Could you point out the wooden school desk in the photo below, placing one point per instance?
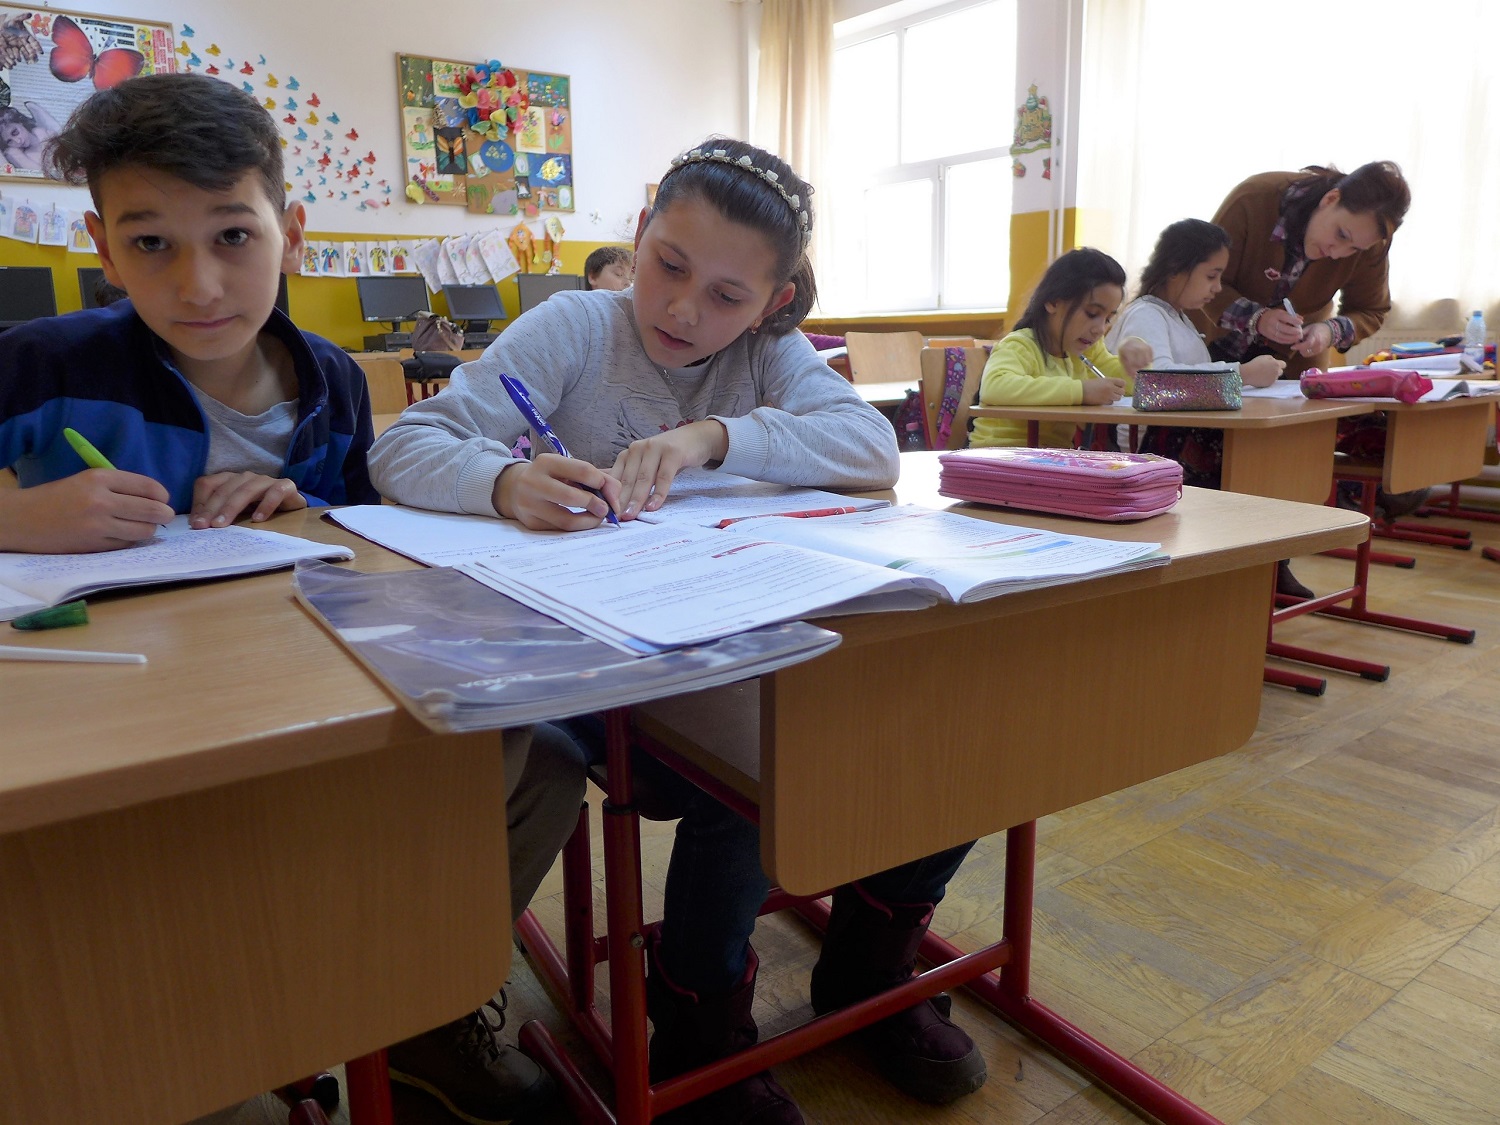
(231, 867)
(1277, 447)
(927, 729)
(883, 396)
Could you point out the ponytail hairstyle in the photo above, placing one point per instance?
(752, 187)
(1181, 248)
(1070, 279)
(1377, 189)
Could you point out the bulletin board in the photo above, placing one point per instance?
(521, 167)
(52, 61)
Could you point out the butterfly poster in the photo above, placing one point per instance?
(51, 61)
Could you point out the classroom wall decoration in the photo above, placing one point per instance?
(52, 60)
(1033, 124)
(495, 140)
(326, 159)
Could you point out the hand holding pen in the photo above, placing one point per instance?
(1101, 390)
(1280, 324)
(540, 493)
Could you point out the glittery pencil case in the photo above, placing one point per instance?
(1190, 388)
(1405, 386)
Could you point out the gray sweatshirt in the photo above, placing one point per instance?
(791, 419)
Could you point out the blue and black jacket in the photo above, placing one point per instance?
(108, 376)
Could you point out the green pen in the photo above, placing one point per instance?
(85, 449)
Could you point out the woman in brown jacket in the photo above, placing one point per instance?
(1305, 237)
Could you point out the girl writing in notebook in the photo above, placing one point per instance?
(1056, 356)
(699, 364)
(1185, 272)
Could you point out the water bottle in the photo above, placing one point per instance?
(1474, 340)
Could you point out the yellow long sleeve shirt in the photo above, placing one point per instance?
(1019, 373)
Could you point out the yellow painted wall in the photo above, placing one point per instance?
(1029, 242)
(328, 306)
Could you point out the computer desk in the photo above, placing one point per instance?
(234, 866)
(924, 730)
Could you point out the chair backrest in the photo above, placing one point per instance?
(951, 342)
(386, 380)
(946, 401)
(884, 357)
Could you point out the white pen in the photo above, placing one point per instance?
(69, 655)
(1286, 303)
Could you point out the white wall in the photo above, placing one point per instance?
(649, 78)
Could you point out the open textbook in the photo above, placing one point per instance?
(462, 656)
(645, 587)
(175, 554)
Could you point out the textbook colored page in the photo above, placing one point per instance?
(175, 554)
(462, 656)
(1459, 388)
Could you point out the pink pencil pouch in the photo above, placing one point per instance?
(1405, 386)
(1085, 483)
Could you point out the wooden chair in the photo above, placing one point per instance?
(933, 363)
(884, 357)
(386, 380)
(951, 342)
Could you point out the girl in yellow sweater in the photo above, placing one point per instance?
(1042, 361)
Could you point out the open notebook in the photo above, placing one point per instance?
(645, 587)
(177, 554)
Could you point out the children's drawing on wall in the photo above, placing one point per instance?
(54, 228)
(531, 131)
(25, 221)
(51, 61)
(379, 258)
(354, 259)
(79, 239)
(1033, 125)
(451, 158)
(310, 258)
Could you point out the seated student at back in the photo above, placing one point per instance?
(1041, 363)
(205, 399)
(609, 267)
(210, 402)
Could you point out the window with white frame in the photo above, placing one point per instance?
(918, 197)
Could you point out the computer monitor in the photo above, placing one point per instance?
(89, 279)
(475, 305)
(537, 287)
(394, 299)
(26, 293)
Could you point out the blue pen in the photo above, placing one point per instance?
(517, 391)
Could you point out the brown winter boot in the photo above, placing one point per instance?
(692, 1031)
(870, 947)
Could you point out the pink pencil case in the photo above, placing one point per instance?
(1085, 483)
(1406, 386)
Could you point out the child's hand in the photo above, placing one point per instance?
(219, 499)
(1102, 392)
(539, 493)
(647, 467)
(1262, 371)
(1316, 339)
(95, 510)
(1134, 354)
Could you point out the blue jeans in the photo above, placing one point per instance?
(715, 885)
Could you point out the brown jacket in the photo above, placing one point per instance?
(1249, 213)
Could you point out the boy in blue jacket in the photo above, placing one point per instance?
(205, 399)
(208, 401)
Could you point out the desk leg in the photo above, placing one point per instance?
(1010, 996)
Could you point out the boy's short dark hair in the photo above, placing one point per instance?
(601, 259)
(191, 126)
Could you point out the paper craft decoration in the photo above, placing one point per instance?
(1033, 124)
(52, 60)
(521, 245)
(54, 228)
(23, 222)
(79, 239)
(498, 112)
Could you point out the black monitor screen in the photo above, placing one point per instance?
(89, 278)
(25, 294)
(474, 302)
(537, 287)
(392, 298)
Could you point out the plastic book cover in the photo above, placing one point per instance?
(462, 656)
